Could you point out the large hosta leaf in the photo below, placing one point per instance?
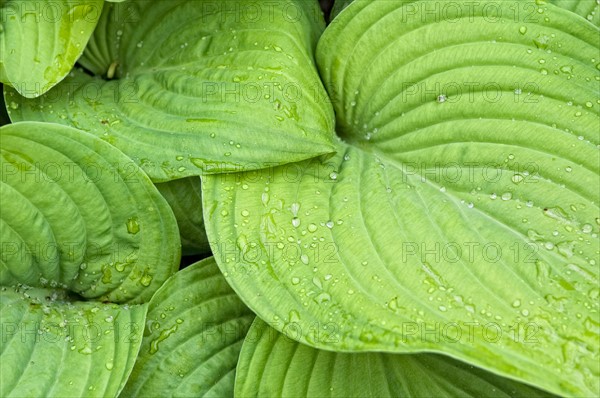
(40, 41)
(194, 332)
(78, 214)
(273, 365)
(461, 213)
(185, 198)
(54, 346)
(198, 86)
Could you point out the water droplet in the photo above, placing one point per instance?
(161, 337)
(109, 365)
(294, 316)
(312, 227)
(132, 225)
(568, 69)
(265, 198)
(295, 280)
(329, 224)
(296, 222)
(592, 326)
(366, 336)
(507, 196)
(565, 249)
(441, 98)
(304, 259)
(323, 298)
(146, 279)
(523, 30)
(294, 208)
(517, 178)
(333, 175)
(245, 213)
(541, 42)
(516, 303)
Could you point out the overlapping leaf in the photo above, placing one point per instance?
(185, 198)
(194, 333)
(338, 6)
(459, 215)
(53, 345)
(589, 10)
(79, 215)
(273, 365)
(40, 41)
(198, 86)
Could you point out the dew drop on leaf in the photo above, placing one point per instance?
(132, 226)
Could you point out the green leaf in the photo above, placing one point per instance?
(273, 365)
(470, 213)
(40, 41)
(193, 87)
(185, 198)
(78, 214)
(54, 346)
(194, 332)
(589, 10)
